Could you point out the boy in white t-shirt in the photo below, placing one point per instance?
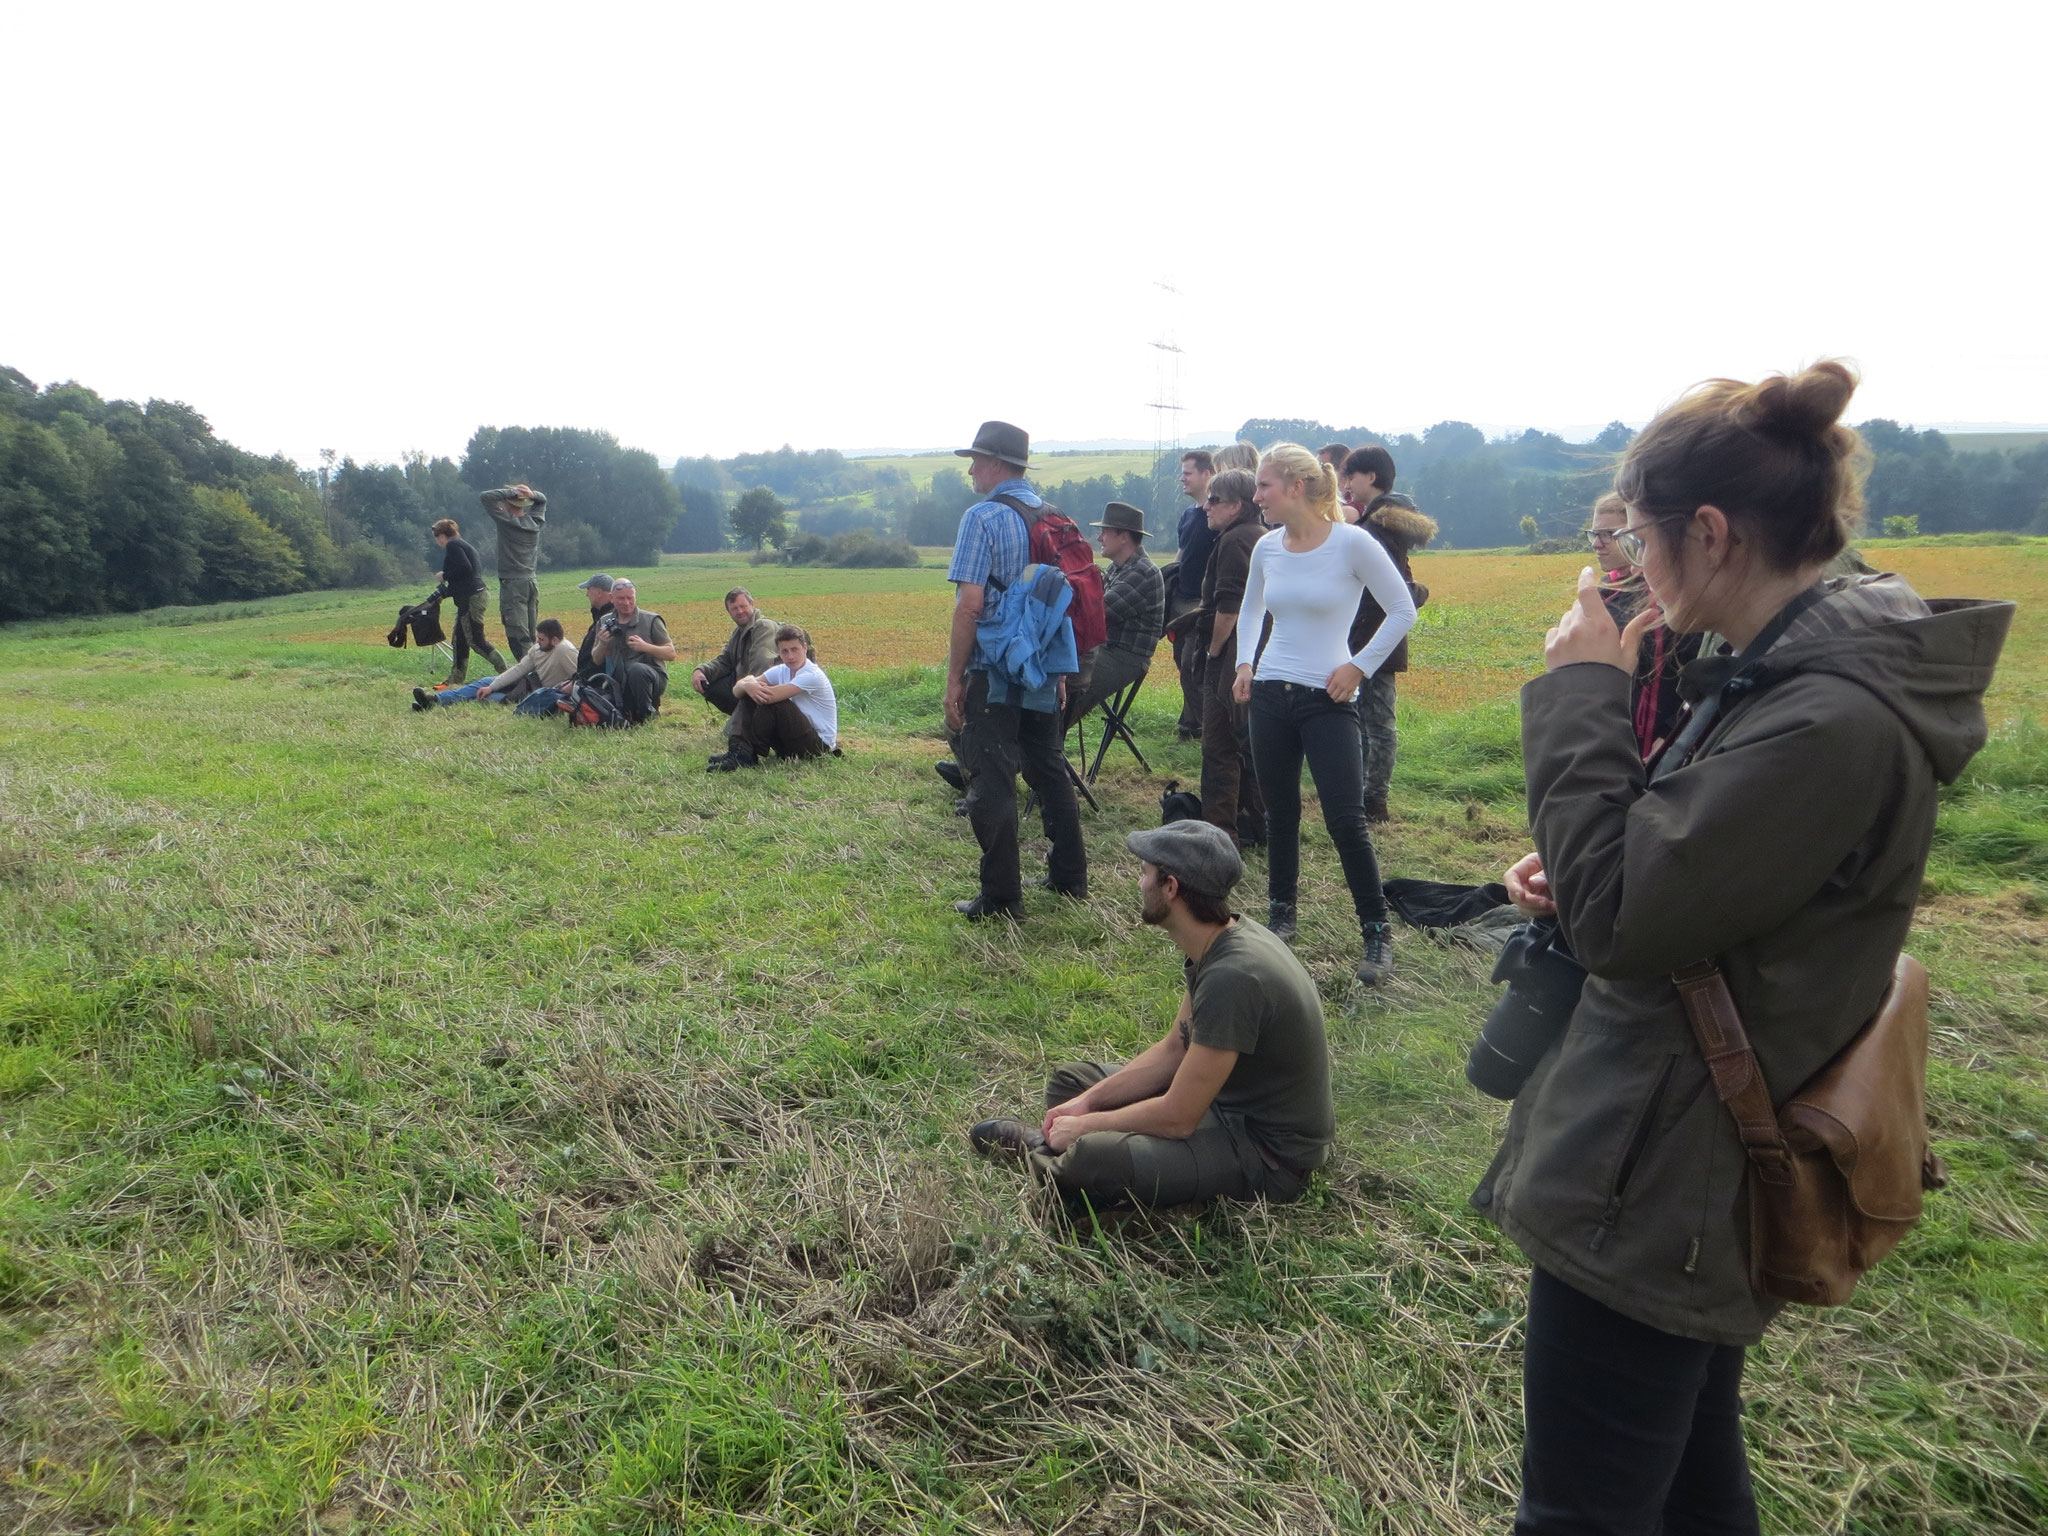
(789, 709)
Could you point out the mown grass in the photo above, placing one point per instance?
(453, 1123)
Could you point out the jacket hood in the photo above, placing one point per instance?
(1929, 662)
(1396, 514)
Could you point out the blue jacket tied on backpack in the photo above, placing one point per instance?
(1028, 640)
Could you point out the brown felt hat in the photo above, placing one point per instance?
(1121, 514)
(1000, 440)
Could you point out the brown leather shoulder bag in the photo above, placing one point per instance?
(1836, 1175)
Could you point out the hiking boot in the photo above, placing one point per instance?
(980, 908)
(1071, 892)
(421, 699)
(1376, 809)
(1378, 963)
(455, 679)
(1006, 1138)
(1280, 920)
(725, 762)
(745, 755)
(951, 773)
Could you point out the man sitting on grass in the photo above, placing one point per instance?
(749, 651)
(546, 668)
(1235, 1101)
(789, 709)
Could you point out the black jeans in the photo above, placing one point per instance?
(781, 728)
(1291, 721)
(641, 686)
(998, 742)
(1630, 1431)
(719, 692)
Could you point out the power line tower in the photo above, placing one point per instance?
(1166, 407)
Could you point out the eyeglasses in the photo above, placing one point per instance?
(1215, 501)
(1630, 542)
(1598, 536)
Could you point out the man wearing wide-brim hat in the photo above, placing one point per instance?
(1133, 602)
(1235, 1100)
(994, 742)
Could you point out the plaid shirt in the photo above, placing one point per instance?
(993, 542)
(992, 547)
(1134, 604)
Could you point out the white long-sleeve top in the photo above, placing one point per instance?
(1313, 597)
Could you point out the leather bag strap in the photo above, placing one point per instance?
(1738, 1079)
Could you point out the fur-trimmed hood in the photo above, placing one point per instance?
(1395, 514)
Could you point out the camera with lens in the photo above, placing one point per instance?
(1544, 981)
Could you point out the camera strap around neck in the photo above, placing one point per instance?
(1747, 678)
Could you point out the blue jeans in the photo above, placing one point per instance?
(1290, 722)
(541, 701)
(466, 693)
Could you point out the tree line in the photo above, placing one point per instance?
(106, 505)
(1479, 490)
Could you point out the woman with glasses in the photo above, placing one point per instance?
(1308, 574)
(1653, 689)
(1783, 836)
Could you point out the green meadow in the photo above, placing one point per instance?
(456, 1123)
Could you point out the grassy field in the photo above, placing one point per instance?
(452, 1123)
(1046, 469)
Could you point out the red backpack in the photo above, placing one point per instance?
(1055, 541)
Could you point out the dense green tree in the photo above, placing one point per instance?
(620, 494)
(757, 519)
(240, 554)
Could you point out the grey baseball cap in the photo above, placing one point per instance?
(1200, 856)
(602, 582)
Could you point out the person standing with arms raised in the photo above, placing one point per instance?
(520, 512)
(1308, 573)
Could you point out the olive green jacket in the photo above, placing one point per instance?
(518, 531)
(749, 651)
(1791, 848)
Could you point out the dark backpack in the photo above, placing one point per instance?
(422, 622)
(1057, 542)
(595, 702)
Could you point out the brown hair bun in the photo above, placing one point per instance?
(1806, 404)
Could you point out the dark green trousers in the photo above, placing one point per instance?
(1220, 1161)
(518, 611)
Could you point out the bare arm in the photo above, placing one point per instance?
(967, 605)
(1193, 1076)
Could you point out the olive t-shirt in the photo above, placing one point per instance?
(1251, 995)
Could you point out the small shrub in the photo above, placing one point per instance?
(1901, 527)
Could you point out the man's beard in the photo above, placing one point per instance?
(1153, 906)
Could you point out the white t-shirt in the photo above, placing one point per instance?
(819, 704)
(1313, 597)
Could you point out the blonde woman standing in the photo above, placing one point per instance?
(1308, 574)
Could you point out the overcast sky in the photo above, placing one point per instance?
(374, 227)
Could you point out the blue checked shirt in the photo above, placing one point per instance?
(992, 547)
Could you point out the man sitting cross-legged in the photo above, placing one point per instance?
(1235, 1101)
(789, 709)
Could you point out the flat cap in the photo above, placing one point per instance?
(1201, 856)
(602, 582)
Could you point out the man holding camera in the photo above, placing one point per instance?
(633, 646)
(1235, 1101)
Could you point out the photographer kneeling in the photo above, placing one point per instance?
(632, 645)
(1783, 834)
(1235, 1101)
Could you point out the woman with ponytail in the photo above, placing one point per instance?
(1308, 574)
(1782, 834)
